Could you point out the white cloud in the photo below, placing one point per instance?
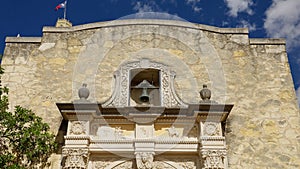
(225, 23)
(146, 6)
(237, 6)
(283, 20)
(298, 95)
(169, 1)
(196, 9)
(193, 3)
(246, 24)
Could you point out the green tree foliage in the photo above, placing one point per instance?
(25, 141)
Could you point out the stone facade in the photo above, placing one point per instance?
(262, 130)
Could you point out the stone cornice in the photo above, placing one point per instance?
(23, 40)
(261, 41)
(158, 22)
(214, 112)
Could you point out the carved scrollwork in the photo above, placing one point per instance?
(121, 92)
(213, 159)
(75, 158)
(144, 160)
(78, 128)
(188, 165)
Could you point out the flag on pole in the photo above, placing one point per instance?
(61, 6)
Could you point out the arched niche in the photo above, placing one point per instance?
(144, 68)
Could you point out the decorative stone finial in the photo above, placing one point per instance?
(83, 92)
(205, 93)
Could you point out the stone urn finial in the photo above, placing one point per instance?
(83, 92)
(205, 93)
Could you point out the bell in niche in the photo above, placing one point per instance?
(144, 96)
(145, 85)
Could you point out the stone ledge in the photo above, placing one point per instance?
(270, 41)
(23, 40)
(128, 22)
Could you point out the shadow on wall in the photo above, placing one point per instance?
(60, 136)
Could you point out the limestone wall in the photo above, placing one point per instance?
(253, 74)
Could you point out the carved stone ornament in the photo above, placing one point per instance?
(211, 129)
(78, 128)
(188, 165)
(174, 163)
(102, 162)
(110, 163)
(144, 160)
(213, 159)
(162, 165)
(173, 132)
(109, 133)
(120, 96)
(75, 158)
(205, 93)
(83, 92)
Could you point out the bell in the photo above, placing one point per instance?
(145, 85)
(144, 96)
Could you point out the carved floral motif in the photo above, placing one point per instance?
(211, 129)
(75, 158)
(78, 128)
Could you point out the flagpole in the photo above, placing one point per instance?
(65, 10)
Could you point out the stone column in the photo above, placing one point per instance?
(213, 147)
(75, 152)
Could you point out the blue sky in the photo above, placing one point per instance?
(264, 18)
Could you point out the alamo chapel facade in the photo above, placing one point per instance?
(158, 94)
